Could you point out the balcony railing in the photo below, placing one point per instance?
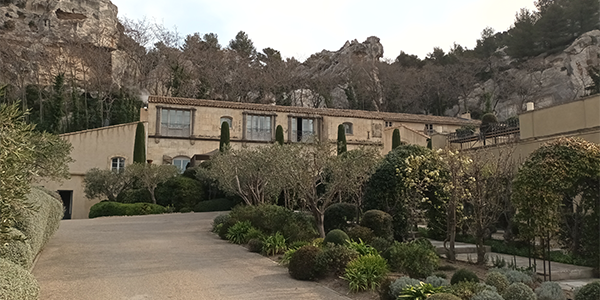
(490, 131)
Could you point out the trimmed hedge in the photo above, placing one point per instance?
(338, 215)
(16, 282)
(24, 241)
(221, 204)
(180, 192)
(106, 208)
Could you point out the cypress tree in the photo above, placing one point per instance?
(396, 142)
(139, 148)
(224, 142)
(341, 139)
(279, 135)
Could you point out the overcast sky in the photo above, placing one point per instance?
(301, 28)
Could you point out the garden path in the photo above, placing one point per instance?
(172, 256)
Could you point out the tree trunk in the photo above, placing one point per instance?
(151, 190)
(480, 250)
(320, 220)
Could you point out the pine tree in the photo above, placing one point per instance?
(139, 148)
(341, 139)
(396, 141)
(279, 135)
(224, 142)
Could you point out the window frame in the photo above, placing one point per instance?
(120, 163)
(160, 113)
(227, 119)
(181, 158)
(249, 117)
(293, 131)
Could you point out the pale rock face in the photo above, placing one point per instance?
(559, 78)
(59, 21)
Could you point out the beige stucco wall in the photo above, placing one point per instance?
(407, 135)
(93, 149)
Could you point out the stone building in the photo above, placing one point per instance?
(181, 131)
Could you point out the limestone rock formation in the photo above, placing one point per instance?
(546, 80)
(40, 38)
(339, 68)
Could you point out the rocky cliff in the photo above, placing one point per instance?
(546, 80)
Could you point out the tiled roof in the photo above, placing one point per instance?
(397, 117)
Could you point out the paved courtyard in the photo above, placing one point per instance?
(160, 257)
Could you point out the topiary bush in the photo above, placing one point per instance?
(463, 275)
(443, 296)
(302, 264)
(255, 245)
(105, 209)
(336, 236)
(514, 276)
(380, 244)
(520, 291)
(338, 215)
(179, 192)
(361, 233)
(134, 196)
(221, 204)
(437, 281)
(550, 291)
(335, 258)
(497, 280)
(589, 291)
(466, 289)
(380, 222)
(218, 222)
(366, 272)
(400, 284)
(487, 295)
(415, 259)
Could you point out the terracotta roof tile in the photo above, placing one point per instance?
(398, 117)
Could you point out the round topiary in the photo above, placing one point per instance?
(463, 275)
(488, 118)
(519, 291)
(487, 295)
(338, 215)
(589, 291)
(303, 262)
(498, 281)
(362, 233)
(255, 245)
(550, 291)
(336, 236)
(443, 296)
(380, 222)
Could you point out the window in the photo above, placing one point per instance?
(429, 129)
(118, 164)
(181, 163)
(258, 128)
(388, 124)
(174, 122)
(303, 130)
(348, 128)
(229, 121)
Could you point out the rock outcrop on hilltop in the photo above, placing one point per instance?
(42, 36)
(353, 61)
(546, 80)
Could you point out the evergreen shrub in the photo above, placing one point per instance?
(255, 245)
(413, 258)
(380, 244)
(589, 291)
(106, 208)
(360, 233)
(463, 275)
(497, 280)
(519, 291)
(218, 222)
(303, 265)
(400, 284)
(443, 296)
(487, 295)
(338, 215)
(436, 281)
(221, 204)
(550, 291)
(237, 233)
(134, 196)
(179, 192)
(380, 222)
(335, 258)
(336, 236)
(16, 282)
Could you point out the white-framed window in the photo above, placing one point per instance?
(348, 128)
(302, 130)
(259, 128)
(229, 121)
(117, 164)
(181, 162)
(175, 122)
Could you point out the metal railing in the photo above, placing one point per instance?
(489, 131)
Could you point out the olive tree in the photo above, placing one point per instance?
(106, 184)
(150, 175)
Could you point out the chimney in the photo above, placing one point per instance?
(530, 106)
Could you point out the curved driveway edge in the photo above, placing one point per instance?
(160, 257)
